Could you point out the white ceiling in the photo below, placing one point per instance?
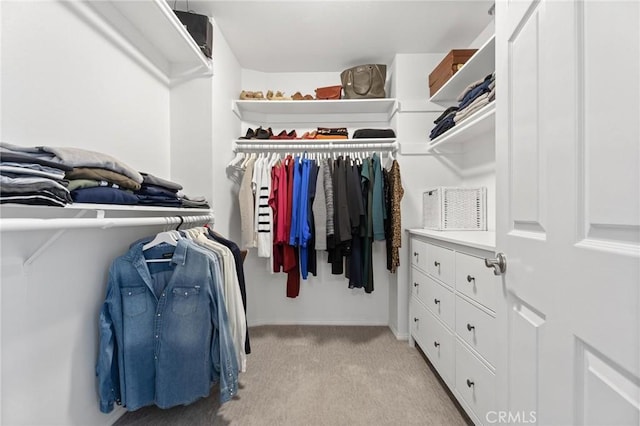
(329, 35)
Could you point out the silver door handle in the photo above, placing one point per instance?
(499, 264)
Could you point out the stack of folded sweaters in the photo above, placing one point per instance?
(57, 176)
(27, 176)
(473, 98)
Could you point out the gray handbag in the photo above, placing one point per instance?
(364, 81)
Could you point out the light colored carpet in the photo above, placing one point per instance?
(322, 375)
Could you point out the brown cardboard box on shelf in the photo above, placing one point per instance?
(448, 67)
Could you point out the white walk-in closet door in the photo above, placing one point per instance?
(568, 161)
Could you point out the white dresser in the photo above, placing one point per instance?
(452, 312)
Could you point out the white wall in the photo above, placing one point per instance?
(419, 172)
(65, 84)
(226, 128)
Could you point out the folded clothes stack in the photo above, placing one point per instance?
(473, 98)
(476, 96)
(193, 202)
(57, 176)
(110, 181)
(444, 122)
(156, 191)
(29, 176)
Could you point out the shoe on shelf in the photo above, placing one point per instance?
(263, 134)
(308, 98)
(297, 96)
(281, 135)
(309, 135)
(269, 95)
(250, 134)
(258, 96)
(279, 96)
(246, 95)
(292, 135)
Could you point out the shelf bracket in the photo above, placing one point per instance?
(52, 240)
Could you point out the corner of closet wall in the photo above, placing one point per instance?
(226, 128)
(409, 85)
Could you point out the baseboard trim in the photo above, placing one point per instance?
(256, 323)
(399, 336)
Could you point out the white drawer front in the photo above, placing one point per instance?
(437, 298)
(418, 322)
(419, 254)
(435, 341)
(476, 281)
(474, 383)
(477, 328)
(440, 263)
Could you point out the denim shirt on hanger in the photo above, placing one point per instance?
(164, 337)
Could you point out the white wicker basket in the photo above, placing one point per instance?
(455, 209)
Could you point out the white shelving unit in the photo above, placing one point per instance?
(338, 111)
(482, 63)
(474, 132)
(150, 32)
(313, 142)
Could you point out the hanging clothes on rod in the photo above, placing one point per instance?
(170, 330)
(338, 204)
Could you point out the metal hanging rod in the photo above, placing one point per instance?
(33, 224)
(330, 146)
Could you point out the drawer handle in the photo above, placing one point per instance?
(436, 344)
(470, 278)
(415, 284)
(415, 319)
(436, 264)
(415, 253)
(470, 327)
(436, 301)
(470, 383)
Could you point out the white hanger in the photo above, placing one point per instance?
(236, 160)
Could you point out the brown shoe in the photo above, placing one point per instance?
(297, 96)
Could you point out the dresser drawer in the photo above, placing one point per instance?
(475, 383)
(440, 263)
(477, 328)
(419, 254)
(476, 281)
(434, 339)
(436, 297)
